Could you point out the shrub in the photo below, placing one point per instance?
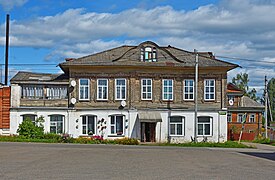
(52, 136)
(28, 129)
(262, 140)
(127, 141)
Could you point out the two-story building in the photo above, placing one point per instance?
(144, 91)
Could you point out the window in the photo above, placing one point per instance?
(251, 118)
(167, 89)
(29, 116)
(117, 125)
(57, 92)
(176, 126)
(88, 125)
(204, 126)
(240, 117)
(148, 54)
(102, 89)
(229, 117)
(188, 89)
(120, 89)
(57, 124)
(84, 88)
(146, 89)
(32, 92)
(209, 89)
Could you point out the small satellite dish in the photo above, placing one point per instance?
(73, 83)
(231, 102)
(123, 103)
(73, 100)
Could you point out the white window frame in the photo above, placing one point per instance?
(115, 133)
(86, 124)
(120, 87)
(84, 90)
(29, 115)
(205, 123)
(182, 123)
(54, 123)
(209, 86)
(254, 118)
(188, 92)
(238, 117)
(229, 115)
(102, 89)
(168, 93)
(146, 92)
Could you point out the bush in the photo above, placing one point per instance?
(127, 141)
(28, 129)
(262, 140)
(55, 137)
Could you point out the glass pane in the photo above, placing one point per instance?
(204, 119)
(207, 129)
(179, 129)
(177, 119)
(112, 130)
(119, 124)
(172, 129)
(200, 129)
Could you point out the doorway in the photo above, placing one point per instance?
(148, 132)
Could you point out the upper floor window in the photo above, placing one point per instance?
(146, 89)
(251, 118)
(209, 89)
(167, 89)
(57, 92)
(188, 89)
(240, 117)
(148, 54)
(229, 117)
(176, 126)
(84, 89)
(120, 89)
(32, 92)
(102, 89)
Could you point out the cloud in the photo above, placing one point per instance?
(8, 5)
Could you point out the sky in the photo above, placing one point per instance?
(48, 31)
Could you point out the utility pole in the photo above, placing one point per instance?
(7, 49)
(196, 93)
(266, 97)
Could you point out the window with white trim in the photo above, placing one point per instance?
(84, 89)
(209, 89)
(148, 54)
(32, 117)
(204, 126)
(57, 124)
(229, 117)
(252, 118)
(57, 92)
(32, 92)
(188, 89)
(117, 124)
(88, 124)
(176, 126)
(102, 89)
(120, 89)
(167, 89)
(240, 117)
(146, 89)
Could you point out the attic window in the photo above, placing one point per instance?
(148, 54)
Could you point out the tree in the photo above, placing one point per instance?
(271, 96)
(241, 81)
(28, 129)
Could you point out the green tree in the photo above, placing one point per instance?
(271, 96)
(28, 129)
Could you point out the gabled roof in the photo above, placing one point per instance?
(21, 77)
(232, 89)
(248, 102)
(130, 56)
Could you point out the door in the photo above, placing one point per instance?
(148, 132)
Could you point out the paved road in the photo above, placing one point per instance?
(72, 161)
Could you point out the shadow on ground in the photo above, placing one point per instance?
(270, 156)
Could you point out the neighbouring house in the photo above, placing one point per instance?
(243, 109)
(4, 110)
(144, 91)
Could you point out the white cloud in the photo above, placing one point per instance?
(7, 5)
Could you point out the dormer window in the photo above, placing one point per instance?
(148, 54)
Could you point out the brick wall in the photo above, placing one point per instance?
(4, 107)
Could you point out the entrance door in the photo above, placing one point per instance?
(148, 132)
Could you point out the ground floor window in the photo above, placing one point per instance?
(32, 117)
(117, 125)
(229, 117)
(204, 126)
(88, 125)
(57, 124)
(176, 125)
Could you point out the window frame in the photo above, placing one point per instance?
(84, 91)
(209, 93)
(87, 124)
(238, 117)
(102, 90)
(205, 123)
(28, 115)
(254, 118)
(120, 91)
(177, 123)
(56, 123)
(146, 86)
(114, 125)
(148, 54)
(189, 93)
(229, 115)
(168, 93)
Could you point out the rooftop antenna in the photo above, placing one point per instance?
(7, 49)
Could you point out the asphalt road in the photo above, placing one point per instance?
(73, 161)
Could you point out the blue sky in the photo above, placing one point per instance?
(47, 31)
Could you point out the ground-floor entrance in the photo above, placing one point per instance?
(148, 132)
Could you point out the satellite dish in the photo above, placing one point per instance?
(73, 100)
(231, 102)
(123, 103)
(73, 83)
